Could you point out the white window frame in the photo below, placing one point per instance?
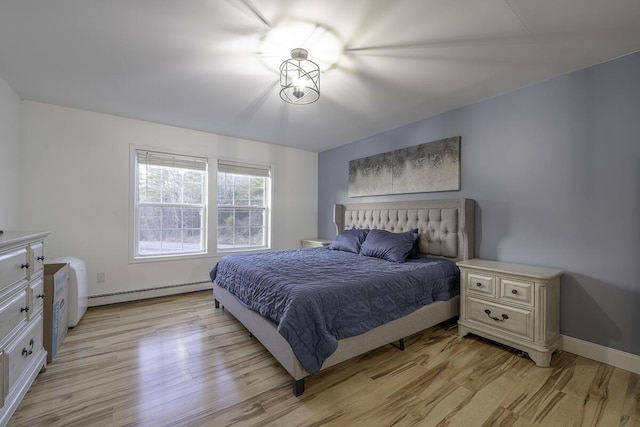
(249, 169)
(177, 159)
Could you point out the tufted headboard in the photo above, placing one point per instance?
(445, 227)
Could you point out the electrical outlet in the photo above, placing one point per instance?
(101, 277)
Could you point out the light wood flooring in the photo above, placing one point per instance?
(178, 361)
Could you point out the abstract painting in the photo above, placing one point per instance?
(433, 166)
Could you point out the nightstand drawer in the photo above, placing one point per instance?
(481, 284)
(516, 291)
(509, 319)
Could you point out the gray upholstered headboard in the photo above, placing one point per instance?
(445, 227)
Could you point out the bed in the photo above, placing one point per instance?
(445, 232)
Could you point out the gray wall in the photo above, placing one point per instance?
(555, 171)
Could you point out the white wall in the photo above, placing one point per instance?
(10, 127)
(76, 167)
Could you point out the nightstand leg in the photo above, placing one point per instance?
(542, 358)
(462, 331)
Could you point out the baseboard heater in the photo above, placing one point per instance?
(158, 291)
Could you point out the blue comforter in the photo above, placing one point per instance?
(318, 296)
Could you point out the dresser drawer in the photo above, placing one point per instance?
(23, 350)
(37, 258)
(13, 312)
(13, 266)
(480, 283)
(513, 320)
(36, 296)
(516, 291)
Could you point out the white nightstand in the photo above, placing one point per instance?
(315, 242)
(517, 305)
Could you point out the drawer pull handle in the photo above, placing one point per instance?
(40, 296)
(23, 309)
(514, 291)
(40, 258)
(504, 316)
(27, 265)
(27, 353)
(478, 284)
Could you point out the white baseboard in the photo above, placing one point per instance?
(599, 353)
(136, 295)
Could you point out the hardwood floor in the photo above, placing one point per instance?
(178, 361)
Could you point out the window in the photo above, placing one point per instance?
(243, 206)
(170, 204)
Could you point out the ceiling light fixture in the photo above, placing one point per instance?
(299, 79)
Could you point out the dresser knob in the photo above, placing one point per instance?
(478, 284)
(514, 291)
(40, 258)
(25, 265)
(24, 309)
(40, 296)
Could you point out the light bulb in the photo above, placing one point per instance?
(298, 92)
(299, 86)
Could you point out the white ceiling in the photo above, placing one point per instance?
(196, 63)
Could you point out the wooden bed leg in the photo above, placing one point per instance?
(298, 387)
(216, 303)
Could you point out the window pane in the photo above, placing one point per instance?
(192, 240)
(225, 237)
(171, 237)
(241, 191)
(241, 210)
(241, 217)
(257, 236)
(257, 196)
(192, 192)
(149, 241)
(241, 180)
(150, 218)
(170, 207)
(241, 236)
(225, 217)
(149, 186)
(257, 218)
(171, 218)
(225, 192)
(171, 186)
(191, 218)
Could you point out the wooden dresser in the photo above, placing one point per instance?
(22, 355)
(515, 304)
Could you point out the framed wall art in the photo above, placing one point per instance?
(428, 167)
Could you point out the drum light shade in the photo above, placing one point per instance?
(299, 79)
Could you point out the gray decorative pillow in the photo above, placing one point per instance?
(349, 240)
(393, 247)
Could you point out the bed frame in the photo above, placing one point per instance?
(446, 230)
